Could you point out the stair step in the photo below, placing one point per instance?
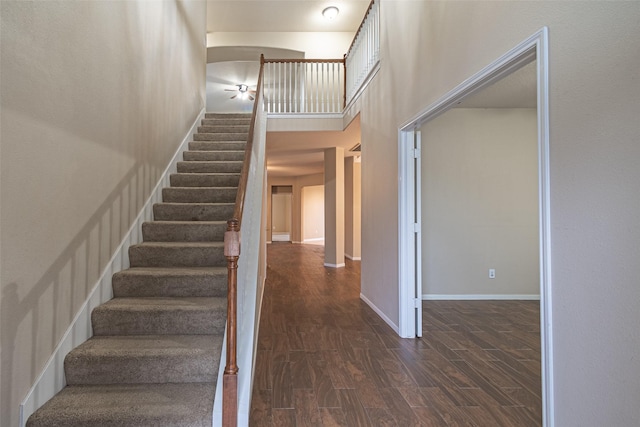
(180, 405)
(223, 128)
(170, 282)
(233, 136)
(227, 115)
(219, 155)
(183, 231)
(219, 166)
(199, 194)
(144, 359)
(160, 316)
(204, 180)
(217, 145)
(177, 254)
(226, 122)
(193, 211)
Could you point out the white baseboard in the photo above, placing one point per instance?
(51, 380)
(436, 297)
(317, 239)
(381, 314)
(353, 258)
(326, 264)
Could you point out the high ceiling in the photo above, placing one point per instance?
(301, 153)
(288, 153)
(282, 16)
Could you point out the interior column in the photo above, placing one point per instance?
(334, 207)
(352, 192)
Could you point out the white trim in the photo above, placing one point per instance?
(51, 380)
(380, 313)
(536, 47)
(353, 258)
(326, 264)
(472, 297)
(406, 235)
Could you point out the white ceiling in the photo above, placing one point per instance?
(282, 16)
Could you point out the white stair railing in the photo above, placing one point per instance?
(304, 86)
(364, 53)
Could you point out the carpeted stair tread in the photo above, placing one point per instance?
(217, 146)
(177, 254)
(227, 115)
(215, 166)
(227, 136)
(144, 359)
(204, 179)
(183, 231)
(226, 122)
(193, 211)
(218, 155)
(160, 316)
(223, 128)
(118, 405)
(170, 282)
(199, 194)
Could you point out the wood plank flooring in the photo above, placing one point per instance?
(326, 359)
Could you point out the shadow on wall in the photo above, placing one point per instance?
(72, 275)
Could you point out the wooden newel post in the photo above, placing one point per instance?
(230, 379)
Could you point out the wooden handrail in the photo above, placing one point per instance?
(355, 37)
(304, 61)
(232, 254)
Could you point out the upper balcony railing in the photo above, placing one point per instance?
(304, 85)
(364, 53)
(294, 86)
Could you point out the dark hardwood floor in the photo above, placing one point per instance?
(326, 359)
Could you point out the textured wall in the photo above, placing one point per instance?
(96, 97)
(480, 202)
(594, 134)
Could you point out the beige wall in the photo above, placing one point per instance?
(281, 213)
(312, 212)
(594, 135)
(480, 203)
(297, 183)
(95, 97)
(315, 45)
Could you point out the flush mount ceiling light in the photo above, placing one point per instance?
(330, 12)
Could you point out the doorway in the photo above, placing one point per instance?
(535, 48)
(281, 213)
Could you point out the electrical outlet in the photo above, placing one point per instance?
(492, 273)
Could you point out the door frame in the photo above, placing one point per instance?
(535, 47)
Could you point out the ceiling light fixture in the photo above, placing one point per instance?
(330, 12)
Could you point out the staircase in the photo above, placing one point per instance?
(155, 354)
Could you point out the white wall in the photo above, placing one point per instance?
(480, 203)
(95, 97)
(594, 134)
(312, 212)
